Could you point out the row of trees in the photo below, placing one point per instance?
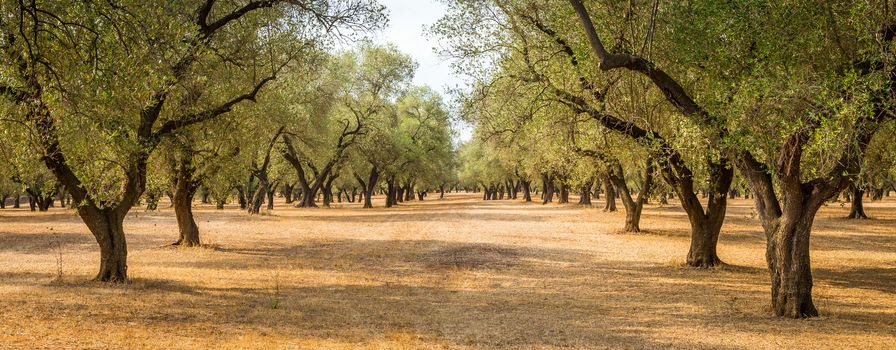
(794, 97)
(115, 104)
(338, 128)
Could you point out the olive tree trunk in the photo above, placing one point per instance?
(186, 224)
(633, 206)
(857, 207)
(610, 195)
(585, 198)
(527, 190)
(368, 186)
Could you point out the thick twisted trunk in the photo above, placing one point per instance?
(258, 198)
(548, 189)
(272, 190)
(107, 227)
(633, 206)
(704, 243)
(287, 193)
(527, 191)
(309, 198)
(788, 224)
(241, 198)
(706, 225)
(585, 198)
(787, 254)
(184, 190)
(564, 193)
(391, 193)
(186, 224)
(633, 219)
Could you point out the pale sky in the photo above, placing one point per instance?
(407, 19)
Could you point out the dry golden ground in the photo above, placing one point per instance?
(454, 273)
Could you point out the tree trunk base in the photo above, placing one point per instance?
(797, 311)
(704, 262)
(112, 272)
(793, 300)
(857, 216)
(106, 225)
(187, 243)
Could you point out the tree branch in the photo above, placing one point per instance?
(190, 119)
(207, 30)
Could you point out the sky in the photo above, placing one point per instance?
(407, 19)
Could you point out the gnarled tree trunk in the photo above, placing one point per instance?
(787, 254)
(633, 207)
(367, 187)
(527, 191)
(241, 198)
(857, 207)
(548, 189)
(184, 191)
(272, 190)
(107, 227)
(706, 225)
(610, 195)
(257, 199)
(564, 192)
(287, 192)
(391, 193)
(585, 198)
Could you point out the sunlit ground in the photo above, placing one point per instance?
(454, 273)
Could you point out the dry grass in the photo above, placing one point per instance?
(457, 273)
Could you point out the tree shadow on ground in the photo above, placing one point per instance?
(590, 301)
(41, 243)
(459, 293)
(881, 279)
